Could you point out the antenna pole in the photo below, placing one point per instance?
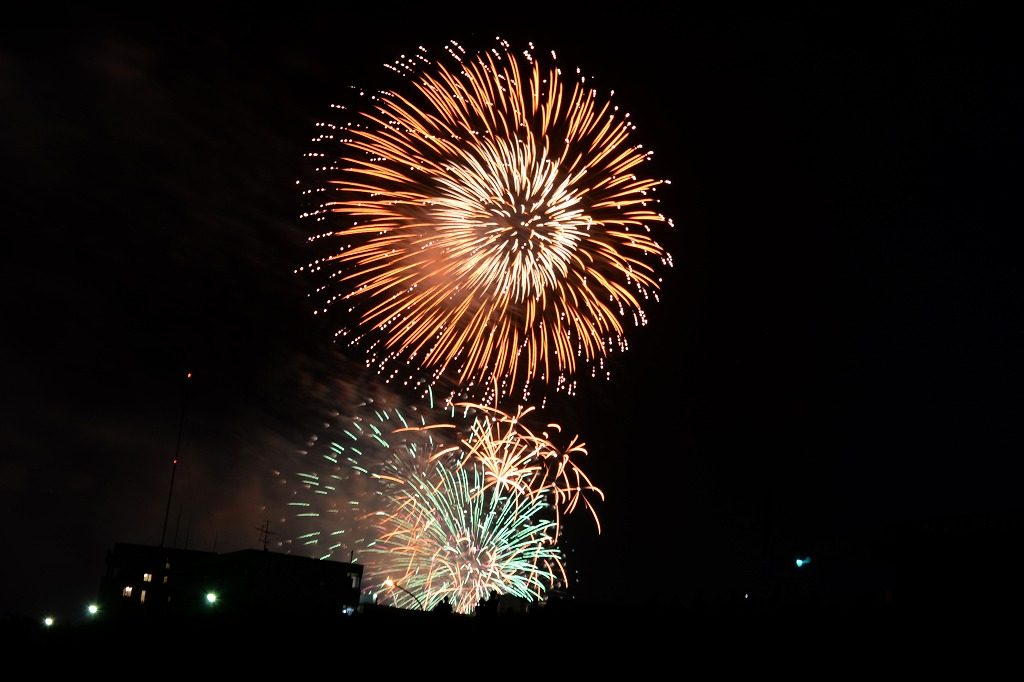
(265, 533)
(174, 462)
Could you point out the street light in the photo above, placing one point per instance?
(391, 584)
(93, 609)
(211, 598)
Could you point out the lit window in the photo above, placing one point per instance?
(147, 577)
(167, 564)
(165, 580)
(127, 591)
(142, 597)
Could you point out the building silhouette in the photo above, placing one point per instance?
(153, 581)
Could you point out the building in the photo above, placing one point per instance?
(261, 582)
(141, 579)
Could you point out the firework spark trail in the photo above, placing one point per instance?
(492, 223)
(457, 504)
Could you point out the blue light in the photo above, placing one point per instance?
(803, 561)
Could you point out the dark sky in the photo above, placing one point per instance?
(836, 353)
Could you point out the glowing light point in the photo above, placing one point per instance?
(93, 609)
(211, 597)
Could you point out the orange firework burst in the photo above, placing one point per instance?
(492, 223)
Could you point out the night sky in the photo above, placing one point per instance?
(833, 369)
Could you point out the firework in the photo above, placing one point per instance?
(490, 223)
(458, 504)
(516, 459)
(345, 476)
(446, 534)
